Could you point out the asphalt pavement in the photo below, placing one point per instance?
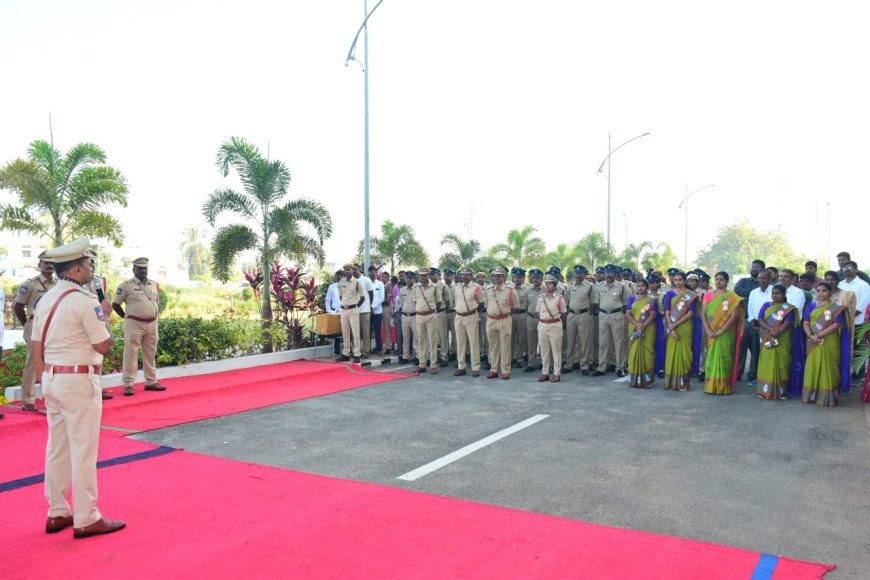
(778, 477)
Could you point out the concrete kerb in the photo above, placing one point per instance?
(230, 364)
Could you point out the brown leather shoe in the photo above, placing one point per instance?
(56, 524)
(475, 373)
(421, 371)
(29, 407)
(543, 378)
(491, 375)
(103, 526)
(433, 371)
(107, 395)
(128, 391)
(555, 379)
(459, 373)
(155, 387)
(506, 376)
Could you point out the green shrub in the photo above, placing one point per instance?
(12, 366)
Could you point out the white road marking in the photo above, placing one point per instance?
(469, 449)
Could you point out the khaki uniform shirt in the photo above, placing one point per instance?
(500, 300)
(350, 291)
(443, 293)
(426, 299)
(77, 324)
(580, 296)
(405, 299)
(561, 289)
(139, 298)
(467, 298)
(551, 307)
(32, 292)
(610, 297)
(522, 296)
(532, 295)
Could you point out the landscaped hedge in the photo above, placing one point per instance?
(182, 341)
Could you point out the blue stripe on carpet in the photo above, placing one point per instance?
(765, 567)
(34, 479)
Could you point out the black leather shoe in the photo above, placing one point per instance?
(620, 373)
(402, 360)
(356, 359)
(575, 367)
(610, 368)
(529, 370)
(566, 370)
(598, 374)
(442, 363)
(585, 372)
(487, 366)
(343, 358)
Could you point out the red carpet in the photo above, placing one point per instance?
(191, 516)
(206, 396)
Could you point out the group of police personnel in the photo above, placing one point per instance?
(543, 324)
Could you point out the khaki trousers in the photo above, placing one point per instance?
(350, 332)
(443, 326)
(28, 376)
(550, 337)
(410, 336)
(483, 337)
(138, 335)
(467, 335)
(451, 325)
(365, 331)
(612, 339)
(596, 338)
(520, 338)
(498, 333)
(580, 339)
(74, 407)
(427, 331)
(532, 339)
(388, 328)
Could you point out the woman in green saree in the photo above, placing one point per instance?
(679, 318)
(823, 328)
(723, 309)
(641, 314)
(777, 320)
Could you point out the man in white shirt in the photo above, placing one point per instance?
(365, 311)
(332, 305)
(754, 302)
(793, 295)
(858, 286)
(377, 308)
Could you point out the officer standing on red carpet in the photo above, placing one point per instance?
(70, 338)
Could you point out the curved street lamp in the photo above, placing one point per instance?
(686, 201)
(365, 68)
(601, 168)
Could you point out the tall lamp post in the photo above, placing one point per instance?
(686, 202)
(365, 67)
(601, 168)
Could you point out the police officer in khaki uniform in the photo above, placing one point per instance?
(532, 293)
(441, 321)
(28, 295)
(450, 308)
(480, 277)
(518, 323)
(426, 304)
(410, 339)
(552, 314)
(351, 293)
(500, 301)
(69, 340)
(580, 323)
(467, 299)
(610, 299)
(140, 296)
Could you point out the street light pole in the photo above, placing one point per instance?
(686, 201)
(601, 168)
(365, 67)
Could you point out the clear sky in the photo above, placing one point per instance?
(498, 110)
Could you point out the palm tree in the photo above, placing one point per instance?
(661, 259)
(194, 251)
(521, 247)
(463, 253)
(564, 256)
(634, 254)
(60, 196)
(396, 245)
(278, 233)
(594, 250)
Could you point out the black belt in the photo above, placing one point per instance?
(409, 314)
(614, 311)
(519, 310)
(348, 307)
(451, 311)
(439, 310)
(583, 311)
